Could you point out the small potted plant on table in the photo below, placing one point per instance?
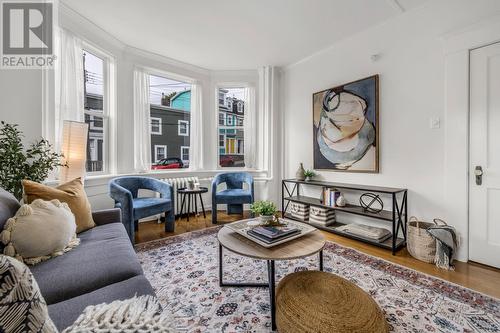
(265, 210)
(309, 174)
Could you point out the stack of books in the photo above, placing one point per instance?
(323, 216)
(270, 235)
(330, 196)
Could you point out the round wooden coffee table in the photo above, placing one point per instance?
(301, 247)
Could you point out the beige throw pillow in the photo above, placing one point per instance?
(71, 193)
(39, 231)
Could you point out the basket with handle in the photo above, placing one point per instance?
(420, 243)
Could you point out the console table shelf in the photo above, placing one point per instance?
(290, 192)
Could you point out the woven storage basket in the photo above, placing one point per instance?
(421, 245)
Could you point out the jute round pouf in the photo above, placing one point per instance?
(311, 301)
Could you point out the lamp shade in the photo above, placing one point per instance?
(74, 149)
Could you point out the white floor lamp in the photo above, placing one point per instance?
(74, 149)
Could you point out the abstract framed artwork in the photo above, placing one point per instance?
(346, 127)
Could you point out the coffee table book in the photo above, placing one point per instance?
(242, 228)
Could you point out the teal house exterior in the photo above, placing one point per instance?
(181, 101)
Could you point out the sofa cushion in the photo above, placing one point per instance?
(235, 196)
(63, 314)
(8, 208)
(102, 258)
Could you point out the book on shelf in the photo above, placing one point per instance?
(330, 196)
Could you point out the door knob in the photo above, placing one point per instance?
(479, 175)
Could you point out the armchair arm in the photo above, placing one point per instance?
(216, 181)
(124, 197)
(106, 216)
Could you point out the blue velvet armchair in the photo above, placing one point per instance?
(234, 196)
(124, 191)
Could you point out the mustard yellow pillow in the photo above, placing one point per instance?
(71, 193)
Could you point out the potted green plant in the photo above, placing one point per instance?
(309, 174)
(264, 209)
(18, 162)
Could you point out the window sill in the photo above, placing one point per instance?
(101, 180)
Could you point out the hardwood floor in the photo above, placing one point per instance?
(471, 275)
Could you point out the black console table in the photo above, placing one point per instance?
(398, 216)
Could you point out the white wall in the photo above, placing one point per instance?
(21, 100)
(412, 90)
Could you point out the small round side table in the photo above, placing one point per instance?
(191, 196)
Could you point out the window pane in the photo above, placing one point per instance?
(94, 116)
(170, 118)
(231, 116)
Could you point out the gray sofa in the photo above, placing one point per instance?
(103, 268)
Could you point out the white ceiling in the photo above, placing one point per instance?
(237, 34)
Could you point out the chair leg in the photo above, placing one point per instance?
(235, 209)
(214, 213)
(170, 221)
(136, 225)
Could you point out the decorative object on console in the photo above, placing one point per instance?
(345, 125)
(40, 231)
(139, 313)
(72, 193)
(421, 245)
(341, 201)
(264, 209)
(366, 232)
(300, 174)
(299, 211)
(366, 200)
(18, 163)
(23, 308)
(309, 174)
(322, 216)
(74, 149)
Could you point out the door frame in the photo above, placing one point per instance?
(457, 47)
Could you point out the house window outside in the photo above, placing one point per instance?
(231, 130)
(160, 152)
(183, 127)
(95, 114)
(155, 126)
(185, 154)
(170, 106)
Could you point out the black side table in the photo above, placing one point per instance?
(191, 196)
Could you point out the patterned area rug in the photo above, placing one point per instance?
(184, 272)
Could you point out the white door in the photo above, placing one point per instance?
(484, 191)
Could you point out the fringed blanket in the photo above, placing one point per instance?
(447, 242)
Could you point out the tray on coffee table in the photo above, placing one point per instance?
(242, 228)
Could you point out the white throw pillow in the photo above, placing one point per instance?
(39, 231)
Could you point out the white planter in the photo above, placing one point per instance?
(266, 218)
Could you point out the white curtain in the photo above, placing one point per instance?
(196, 130)
(142, 135)
(250, 128)
(69, 83)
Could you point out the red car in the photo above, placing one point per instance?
(226, 161)
(168, 163)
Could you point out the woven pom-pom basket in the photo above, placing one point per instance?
(420, 243)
